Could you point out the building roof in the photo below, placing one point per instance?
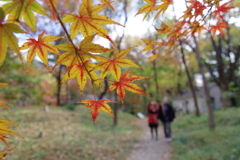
(186, 94)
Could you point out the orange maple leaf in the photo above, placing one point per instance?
(153, 57)
(5, 129)
(149, 7)
(165, 29)
(113, 65)
(97, 106)
(40, 47)
(5, 152)
(151, 45)
(196, 27)
(162, 7)
(89, 21)
(219, 27)
(124, 83)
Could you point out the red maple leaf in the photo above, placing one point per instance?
(198, 7)
(219, 27)
(97, 106)
(221, 9)
(124, 83)
(40, 47)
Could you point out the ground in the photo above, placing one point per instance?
(148, 149)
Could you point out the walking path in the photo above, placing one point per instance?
(148, 149)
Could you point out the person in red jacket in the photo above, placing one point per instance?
(153, 110)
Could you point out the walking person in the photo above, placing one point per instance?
(166, 115)
(153, 110)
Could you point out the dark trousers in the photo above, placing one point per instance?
(154, 126)
(167, 129)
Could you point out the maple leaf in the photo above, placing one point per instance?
(196, 27)
(2, 104)
(8, 38)
(188, 13)
(5, 129)
(5, 152)
(198, 7)
(54, 2)
(74, 61)
(153, 57)
(81, 74)
(88, 21)
(162, 7)
(221, 9)
(97, 106)
(124, 83)
(18, 9)
(149, 7)
(40, 47)
(108, 3)
(151, 45)
(113, 65)
(165, 29)
(218, 27)
(70, 58)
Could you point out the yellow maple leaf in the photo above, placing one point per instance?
(113, 65)
(89, 21)
(149, 7)
(162, 7)
(8, 38)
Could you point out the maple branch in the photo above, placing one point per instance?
(18, 16)
(70, 40)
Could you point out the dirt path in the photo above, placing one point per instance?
(148, 149)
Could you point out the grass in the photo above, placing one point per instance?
(69, 135)
(194, 141)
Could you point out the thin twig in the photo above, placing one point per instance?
(70, 40)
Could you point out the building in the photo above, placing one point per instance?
(184, 102)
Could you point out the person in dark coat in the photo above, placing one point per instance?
(166, 115)
(153, 110)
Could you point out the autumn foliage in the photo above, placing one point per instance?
(18, 16)
(192, 22)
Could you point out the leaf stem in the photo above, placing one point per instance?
(104, 79)
(70, 40)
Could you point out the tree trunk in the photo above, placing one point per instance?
(205, 85)
(156, 80)
(67, 93)
(115, 110)
(58, 77)
(105, 89)
(225, 96)
(197, 113)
